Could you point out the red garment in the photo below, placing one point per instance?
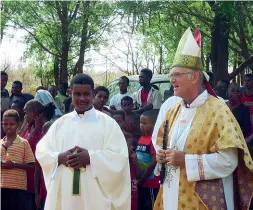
(43, 191)
(33, 142)
(198, 39)
(210, 89)
(144, 98)
(134, 187)
(145, 150)
(248, 101)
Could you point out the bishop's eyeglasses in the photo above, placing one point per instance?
(176, 75)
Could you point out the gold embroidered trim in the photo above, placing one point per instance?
(201, 168)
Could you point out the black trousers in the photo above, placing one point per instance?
(13, 199)
(146, 198)
(31, 201)
(251, 206)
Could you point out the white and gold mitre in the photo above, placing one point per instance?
(188, 54)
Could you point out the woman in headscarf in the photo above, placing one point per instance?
(46, 98)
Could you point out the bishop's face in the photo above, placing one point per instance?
(82, 97)
(180, 79)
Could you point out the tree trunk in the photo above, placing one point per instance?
(214, 47)
(83, 45)
(161, 59)
(219, 48)
(207, 61)
(234, 68)
(65, 43)
(56, 70)
(222, 67)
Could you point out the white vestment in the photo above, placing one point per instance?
(105, 184)
(216, 165)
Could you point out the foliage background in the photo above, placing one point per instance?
(110, 38)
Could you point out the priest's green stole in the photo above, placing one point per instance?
(76, 182)
(76, 187)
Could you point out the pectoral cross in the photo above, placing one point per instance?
(76, 179)
(170, 169)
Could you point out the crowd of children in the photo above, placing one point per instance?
(138, 133)
(24, 122)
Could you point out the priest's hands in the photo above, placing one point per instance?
(80, 159)
(171, 157)
(63, 157)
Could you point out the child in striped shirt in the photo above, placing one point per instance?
(16, 158)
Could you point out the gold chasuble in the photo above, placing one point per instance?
(213, 129)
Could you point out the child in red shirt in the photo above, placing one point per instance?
(148, 183)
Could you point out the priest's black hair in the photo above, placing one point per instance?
(82, 79)
(152, 114)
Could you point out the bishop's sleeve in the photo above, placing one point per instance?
(211, 166)
(111, 166)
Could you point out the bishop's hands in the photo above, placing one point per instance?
(75, 158)
(161, 156)
(171, 157)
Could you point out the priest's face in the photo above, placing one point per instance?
(181, 80)
(82, 97)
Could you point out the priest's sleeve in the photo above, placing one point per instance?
(111, 167)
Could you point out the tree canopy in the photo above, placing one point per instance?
(61, 33)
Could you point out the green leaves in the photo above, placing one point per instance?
(84, 25)
(56, 26)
